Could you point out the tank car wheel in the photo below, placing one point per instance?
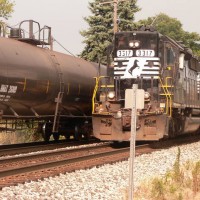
(47, 137)
(56, 136)
(47, 131)
(67, 136)
(77, 134)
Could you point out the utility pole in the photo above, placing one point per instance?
(115, 26)
(115, 2)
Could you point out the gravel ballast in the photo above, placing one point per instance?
(108, 182)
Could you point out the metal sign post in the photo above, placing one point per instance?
(136, 102)
(132, 143)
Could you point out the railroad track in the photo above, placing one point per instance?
(15, 149)
(27, 168)
(33, 167)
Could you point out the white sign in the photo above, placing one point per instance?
(139, 98)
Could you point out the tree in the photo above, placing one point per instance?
(165, 25)
(126, 12)
(6, 8)
(192, 40)
(173, 28)
(100, 32)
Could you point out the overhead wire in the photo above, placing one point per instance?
(63, 47)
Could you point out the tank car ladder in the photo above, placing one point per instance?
(58, 99)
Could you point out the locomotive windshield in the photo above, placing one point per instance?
(136, 41)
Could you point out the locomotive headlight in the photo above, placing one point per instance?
(131, 44)
(134, 44)
(111, 95)
(118, 115)
(137, 44)
(146, 96)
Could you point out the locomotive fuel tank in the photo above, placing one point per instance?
(31, 78)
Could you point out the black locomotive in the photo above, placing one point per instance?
(38, 83)
(166, 70)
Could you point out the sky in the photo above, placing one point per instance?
(66, 17)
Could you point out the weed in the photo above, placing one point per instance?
(196, 177)
(181, 183)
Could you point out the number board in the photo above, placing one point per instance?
(124, 53)
(145, 53)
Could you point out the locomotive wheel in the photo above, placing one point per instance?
(171, 128)
(175, 127)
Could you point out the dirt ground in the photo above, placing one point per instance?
(17, 137)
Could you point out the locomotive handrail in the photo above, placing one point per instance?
(170, 102)
(97, 79)
(94, 92)
(168, 96)
(165, 93)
